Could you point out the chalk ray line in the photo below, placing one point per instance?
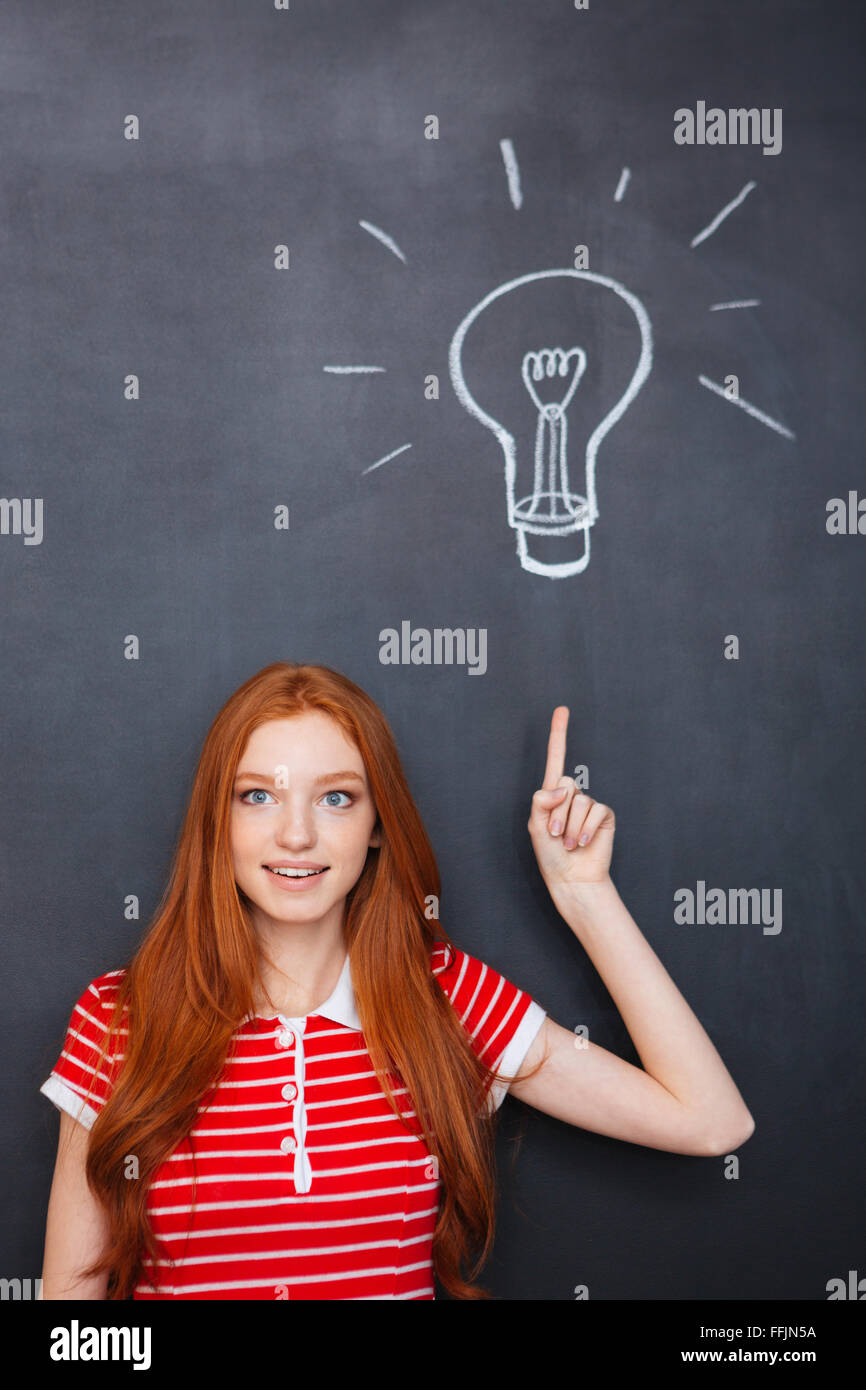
(749, 409)
(725, 212)
(385, 239)
(392, 455)
(513, 172)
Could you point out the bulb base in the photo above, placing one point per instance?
(552, 533)
(553, 556)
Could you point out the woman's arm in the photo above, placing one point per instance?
(76, 1227)
(685, 1099)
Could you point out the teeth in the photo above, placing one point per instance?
(297, 873)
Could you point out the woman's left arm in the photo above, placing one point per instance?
(685, 1100)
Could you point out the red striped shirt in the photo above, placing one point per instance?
(307, 1184)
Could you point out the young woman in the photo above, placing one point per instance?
(290, 1091)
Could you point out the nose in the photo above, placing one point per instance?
(296, 826)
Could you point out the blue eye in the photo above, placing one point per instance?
(254, 791)
(346, 794)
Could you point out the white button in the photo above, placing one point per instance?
(289, 1091)
(288, 1145)
(285, 1038)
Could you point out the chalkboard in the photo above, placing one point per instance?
(504, 335)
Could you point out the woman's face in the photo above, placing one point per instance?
(301, 796)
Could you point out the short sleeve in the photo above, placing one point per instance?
(501, 1019)
(80, 1081)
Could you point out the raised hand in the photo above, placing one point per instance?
(562, 816)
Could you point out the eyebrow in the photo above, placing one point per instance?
(346, 776)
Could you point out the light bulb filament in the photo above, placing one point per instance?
(551, 435)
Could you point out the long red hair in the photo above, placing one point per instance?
(191, 983)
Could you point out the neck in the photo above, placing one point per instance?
(300, 965)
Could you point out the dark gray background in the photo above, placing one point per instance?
(156, 257)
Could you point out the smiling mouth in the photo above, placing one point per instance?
(295, 873)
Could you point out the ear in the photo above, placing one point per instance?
(376, 836)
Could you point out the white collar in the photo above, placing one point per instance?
(339, 1006)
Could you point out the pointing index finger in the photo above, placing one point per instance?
(556, 748)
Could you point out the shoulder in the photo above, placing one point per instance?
(83, 1074)
(502, 1019)
(97, 1000)
(471, 984)
(105, 987)
(441, 956)
(449, 965)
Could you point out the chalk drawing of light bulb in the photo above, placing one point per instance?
(541, 500)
